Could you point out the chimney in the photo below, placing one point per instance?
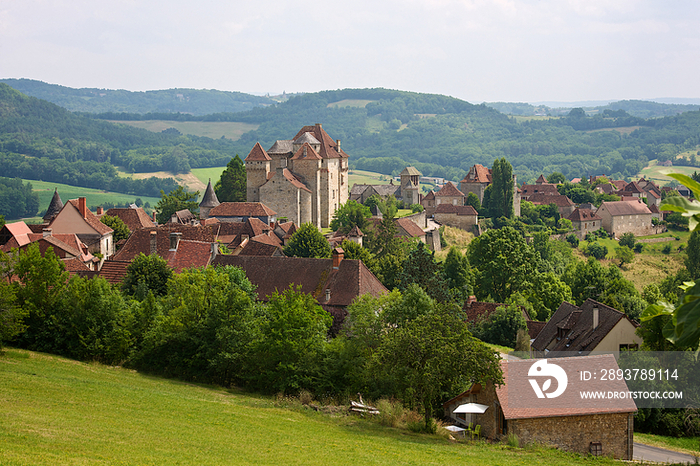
(337, 141)
(99, 211)
(338, 255)
(82, 206)
(328, 294)
(318, 125)
(244, 239)
(596, 316)
(214, 250)
(46, 232)
(174, 240)
(154, 243)
(154, 218)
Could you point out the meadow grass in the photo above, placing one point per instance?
(657, 173)
(211, 129)
(55, 411)
(44, 190)
(358, 103)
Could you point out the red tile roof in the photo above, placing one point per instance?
(19, 231)
(408, 227)
(449, 190)
(616, 208)
(242, 209)
(530, 189)
(306, 152)
(479, 310)
(133, 218)
(189, 254)
(114, 271)
(519, 401)
(581, 215)
(329, 147)
(478, 174)
(140, 241)
(257, 154)
(546, 199)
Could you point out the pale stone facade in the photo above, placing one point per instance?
(304, 179)
(626, 217)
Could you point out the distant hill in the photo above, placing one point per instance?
(92, 100)
(42, 141)
(637, 108)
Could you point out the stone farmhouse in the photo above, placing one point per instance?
(585, 221)
(601, 427)
(304, 179)
(457, 216)
(621, 217)
(593, 326)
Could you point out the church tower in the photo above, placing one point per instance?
(257, 167)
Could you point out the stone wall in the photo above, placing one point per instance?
(575, 433)
(465, 222)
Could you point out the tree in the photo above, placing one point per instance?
(460, 280)
(596, 250)
(287, 356)
(627, 239)
(147, 273)
(501, 204)
(501, 327)
(307, 241)
(432, 357)
(177, 199)
(556, 178)
(473, 200)
(11, 315)
(350, 214)
(176, 161)
(232, 186)
(692, 261)
(624, 254)
(353, 250)
(121, 231)
(421, 268)
(547, 294)
(503, 263)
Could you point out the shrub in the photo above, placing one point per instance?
(391, 413)
(513, 440)
(638, 247)
(666, 249)
(596, 250)
(627, 239)
(572, 239)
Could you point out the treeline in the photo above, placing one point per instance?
(40, 140)
(92, 100)
(17, 199)
(205, 325)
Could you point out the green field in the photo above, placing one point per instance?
(55, 411)
(211, 129)
(656, 173)
(349, 103)
(94, 197)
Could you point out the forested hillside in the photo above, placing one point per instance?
(92, 100)
(440, 135)
(637, 108)
(40, 140)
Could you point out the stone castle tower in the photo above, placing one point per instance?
(304, 179)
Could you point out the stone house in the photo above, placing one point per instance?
(621, 217)
(428, 203)
(602, 427)
(304, 179)
(565, 206)
(449, 194)
(458, 216)
(76, 218)
(593, 326)
(585, 221)
(407, 191)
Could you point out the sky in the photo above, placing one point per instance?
(476, 50)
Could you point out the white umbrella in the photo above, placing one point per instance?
(470, 408)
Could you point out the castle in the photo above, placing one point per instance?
(304, 179)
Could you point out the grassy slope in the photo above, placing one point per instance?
(656, 173)
(58, 411)
(688, 445)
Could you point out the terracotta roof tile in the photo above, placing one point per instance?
(133, 218)
(546, 199)
(582, 215)
(114, 271)
(408, 227)
(306, 152)
(189, 254)
(461, 210)
(257, 154)
(449, 190)
(519, 402)
(91, 219)
(530, 189)
(477, 310)
(140, 241)
(617, 208)
(242, 209)
(478, 174)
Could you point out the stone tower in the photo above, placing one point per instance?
(410, 192)
(209, 201)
